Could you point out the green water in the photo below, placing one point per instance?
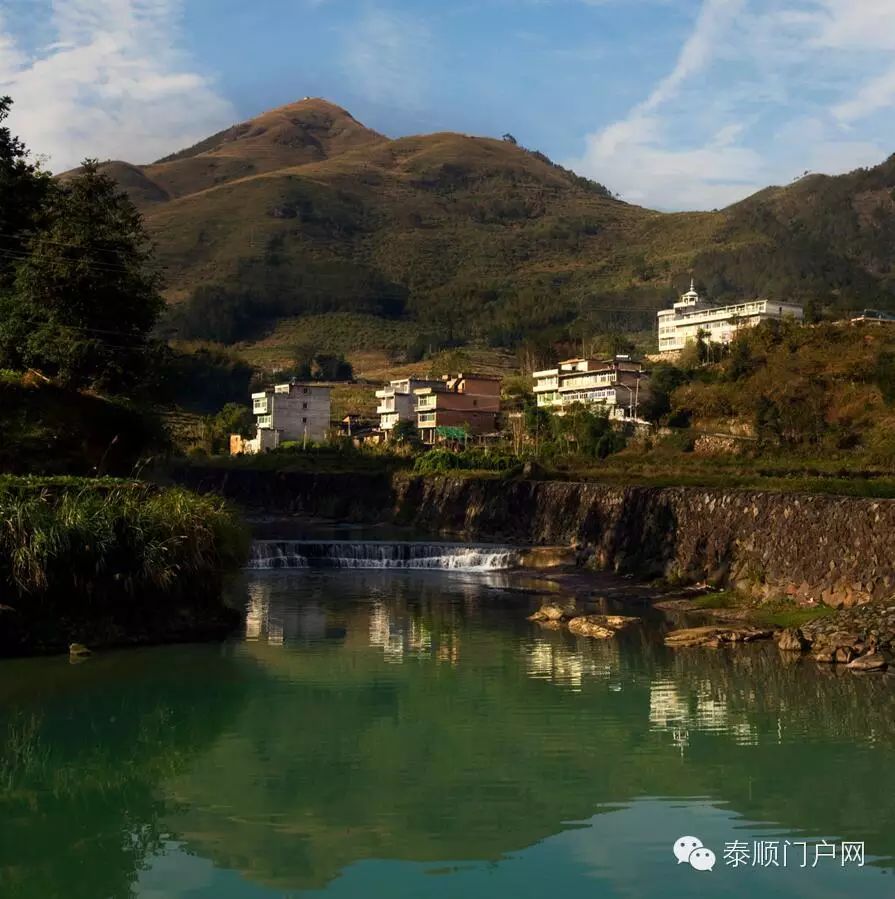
(409, 734)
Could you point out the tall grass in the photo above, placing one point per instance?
(112, 542)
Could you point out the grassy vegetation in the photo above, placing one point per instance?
(338, 457)
(782, 614)
(79, 545)
(341, 333)
(775, 613)
(784, 475)
(724, 599)
(445, 461)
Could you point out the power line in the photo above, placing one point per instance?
(60, 243)
(22, 255)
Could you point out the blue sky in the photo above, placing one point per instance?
(675, 104)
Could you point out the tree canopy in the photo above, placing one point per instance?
(83, 294)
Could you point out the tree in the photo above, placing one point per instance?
(234, 418)
(329, 367)
(24, 191)
(86, 296)
(664, 380)
(405, 433)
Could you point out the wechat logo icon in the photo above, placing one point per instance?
(690, 849)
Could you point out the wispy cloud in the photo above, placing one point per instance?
(760, 91)
(387, 57)
(112, 84)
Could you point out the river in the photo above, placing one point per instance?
(393, 732)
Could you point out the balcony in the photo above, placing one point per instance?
(546, 384)
(385, 409)
(426, 418)
(426, 402)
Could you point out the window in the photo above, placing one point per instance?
(306, 390)
(304, 421)
(304, 405)
(264, 421)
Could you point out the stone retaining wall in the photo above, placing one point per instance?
(837, 550)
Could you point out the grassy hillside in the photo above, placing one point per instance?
(451, 238)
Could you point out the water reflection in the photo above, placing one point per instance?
(568, 663)
(408, 734)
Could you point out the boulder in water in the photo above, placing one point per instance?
(601, 627)
(791, 639)
(715, 635)
(871, 661)
(552, 611)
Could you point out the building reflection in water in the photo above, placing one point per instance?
(569, 665)
(277, 624)
(402, 626)
(683, 708)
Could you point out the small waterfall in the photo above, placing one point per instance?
(267, 554)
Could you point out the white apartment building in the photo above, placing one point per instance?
(691, 315)
(397, 402)
(287, 412)
(617, 385)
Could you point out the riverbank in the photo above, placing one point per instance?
(810, 549)
(110, 563)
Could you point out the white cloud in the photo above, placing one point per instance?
(111, 85)
(876, 94)
(386, 57)
(713, 21)
(721, 124)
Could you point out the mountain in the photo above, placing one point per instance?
(304, 211)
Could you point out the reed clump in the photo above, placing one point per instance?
(83, 543)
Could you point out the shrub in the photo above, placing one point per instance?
(442, 461)
(76, 543)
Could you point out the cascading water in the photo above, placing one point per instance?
(268, 554)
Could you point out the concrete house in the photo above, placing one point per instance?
(397, 402)
(616, 386)
(287, 412)
(682, 323)
(467, 404)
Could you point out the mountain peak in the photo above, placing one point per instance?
(307, 130)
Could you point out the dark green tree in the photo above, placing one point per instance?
(329, 367)
(664, 380)
(86, 295)
(405, 433)
(24, 191)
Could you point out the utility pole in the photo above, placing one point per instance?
(637, 395)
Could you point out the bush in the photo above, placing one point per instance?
(81, 543)
(442, 461)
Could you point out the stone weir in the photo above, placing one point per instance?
(836, 550)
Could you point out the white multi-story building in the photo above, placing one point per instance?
(617, 385)
(692, 315)
(287, 412)
(397, 402)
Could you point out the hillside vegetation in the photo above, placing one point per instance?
(304, 211)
